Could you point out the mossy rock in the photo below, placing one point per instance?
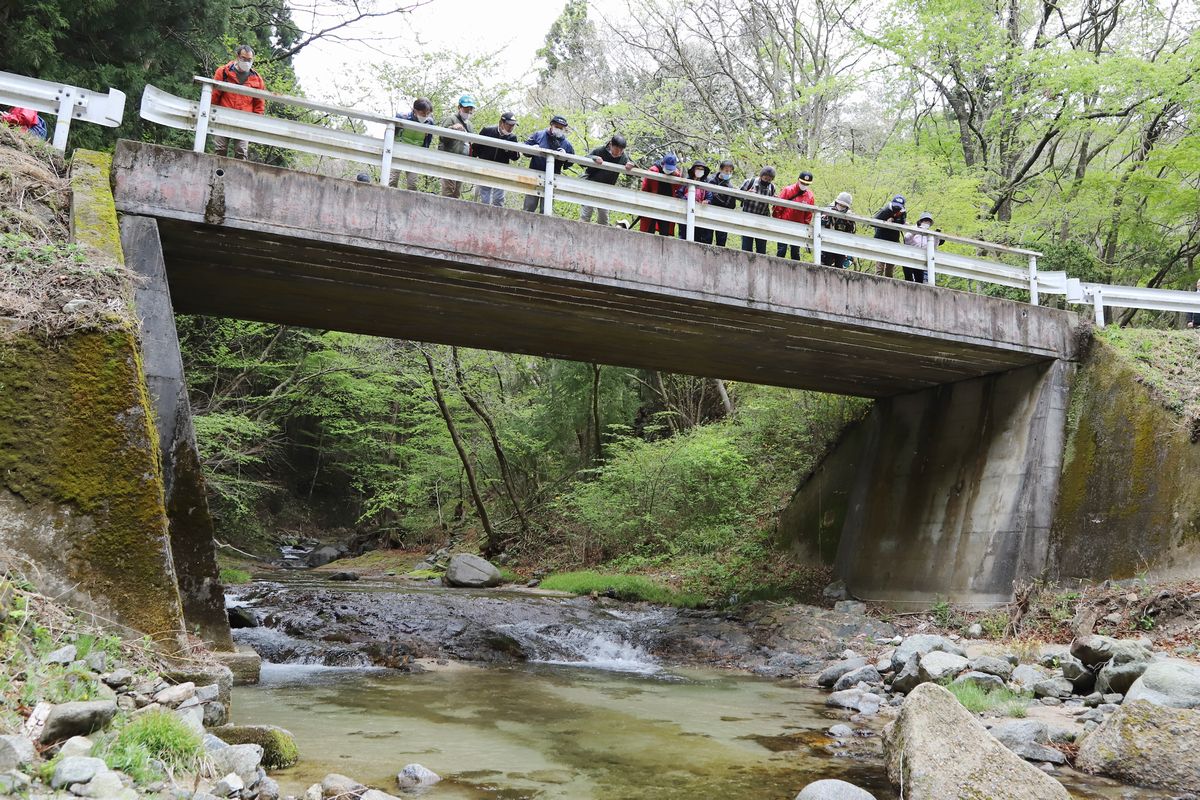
(279, 746)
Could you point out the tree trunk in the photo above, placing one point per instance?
(596, 412)
(493, 541)
(725, 401)
(501, 459)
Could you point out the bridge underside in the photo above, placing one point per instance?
(255, 242)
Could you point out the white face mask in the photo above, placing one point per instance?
(725, 176)
(243, 66)
(924, 223)
(422, 118)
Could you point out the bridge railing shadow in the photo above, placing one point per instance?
(967, 263)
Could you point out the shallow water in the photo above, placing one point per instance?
(541, 731)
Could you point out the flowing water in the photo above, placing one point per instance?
(592, 716)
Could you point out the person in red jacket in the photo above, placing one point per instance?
(239, 71)
(668, 166)
(798, 192)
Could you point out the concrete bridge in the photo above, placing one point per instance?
(952, 479)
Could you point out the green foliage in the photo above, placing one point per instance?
(978, 700)
(994, 624)
(621, 587)
(155, 736)
(231, 576)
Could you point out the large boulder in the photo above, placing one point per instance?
(909, 676)
(1059, 688)
(240, 759)
(1096, 650)
(1147, 745)
(471, 571)
(938, 665)
(1026, 676)
(1118, 678)
(322, 556)
(279, 749)
(1168, 683)
(77, 719)
(1028, 738)
(992, 666)
(830, 675)
(937, 749)
(923, 644)
(1082, 679)
(833, 790)
(983, 680)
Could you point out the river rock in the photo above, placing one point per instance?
(833, 790)
(836, 591)
(338, 786)
(268, 789)
(1096, 650)
(231, 784)
(1026, 676)
(241, 617)
(240, 758)
(868, 675)
(77, 719)
(1028, 739)
(204, 676)
(15, 751)
(322, 556)
(909, 676)
(76, 746)
(347, 577)
(923, 644)
(96, 661)
(118, 678)
(1082, 679)
(1058, 688)
(992, 666)
(1147, 745)
(840, 731)
(279, 749)
(937, 750)
(1168, 683)
(938, 664)
(415, 775)
(1118, 678)
(981, 679)
(62, 656)
(856, 699)
(830, 675)
(850, 607)
(471, 571)
(192, 718)
(173, 696)
(77, 769)
(105, 785)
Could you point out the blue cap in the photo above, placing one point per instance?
(670, 163)
(467, 101)
(898, 200)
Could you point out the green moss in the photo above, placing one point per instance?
(231, 576)
(621, 587)
(279, 746)
(93, 212)
(75, 431)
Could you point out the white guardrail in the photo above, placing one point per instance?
(204, 119)
(64, 101)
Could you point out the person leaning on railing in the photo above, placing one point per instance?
(1192, 319)
(723, 179)
(239, 71)
(798, 192)
(842, 205)
(892, 212)
(613, 152)
(668, 165)
(422, 113)
(458, 120)
(503, 130)
(764, 184)
(552, 137)
(921, 240)
(698, 172)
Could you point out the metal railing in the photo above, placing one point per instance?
(64, 101)
(383, 151)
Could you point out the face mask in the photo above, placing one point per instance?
(422, 118)
(243, 66)
(925, 224)
(840, 207)
(466, 113)
(725, 176)
(697, 174)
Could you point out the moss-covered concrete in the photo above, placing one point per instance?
(78, 462)
(1129, 500)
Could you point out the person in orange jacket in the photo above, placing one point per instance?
(239, 71)
(798, 192)
(669, 165)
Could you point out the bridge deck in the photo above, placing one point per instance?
(257, 242)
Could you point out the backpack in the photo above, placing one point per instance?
(39, 128)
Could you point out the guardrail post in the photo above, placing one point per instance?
(548, 189)
(816, 237)
(202, 116)
(691, 213)
(1033, 280)
(1098, 301)
(62, 124)
(389, 141)
(931, 260)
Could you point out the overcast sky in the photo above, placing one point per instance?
(516, 28)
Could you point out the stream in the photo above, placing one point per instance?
(546, 698)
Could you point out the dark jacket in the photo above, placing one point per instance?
(757, 186)
(890, 213)
(722, 200)
(1192, 317)
(543, 139)
(837, 223)
(413, 137)
(605, 175)
(489, 153)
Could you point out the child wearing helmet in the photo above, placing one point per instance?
(458, 120)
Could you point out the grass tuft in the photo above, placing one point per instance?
(231, 576)
(155, 736)
(621, 587)
(977, 700)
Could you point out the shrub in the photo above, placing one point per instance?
(231, 576)
(153, 736)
